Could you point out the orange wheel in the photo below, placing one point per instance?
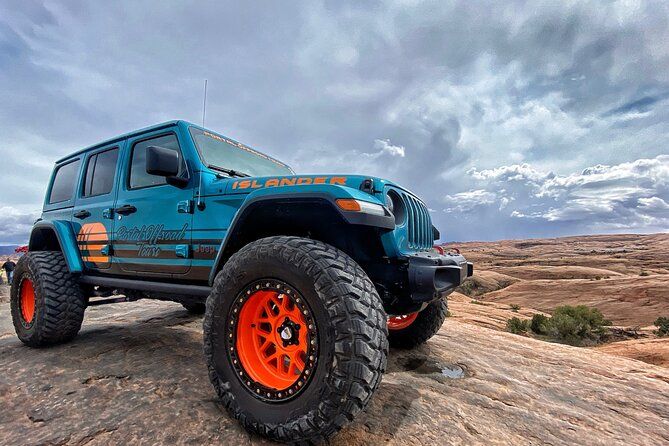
(274, 340)
(401, 322)
(27, 300)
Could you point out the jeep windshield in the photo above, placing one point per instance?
(233, 158)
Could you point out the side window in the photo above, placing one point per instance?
(100, 173)
(64, 182)
(138, 176)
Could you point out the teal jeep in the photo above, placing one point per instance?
(304, 280)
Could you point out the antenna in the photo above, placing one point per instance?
(204, 104)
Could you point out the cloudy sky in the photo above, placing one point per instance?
(511, 119)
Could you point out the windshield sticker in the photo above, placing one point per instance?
(243, 147)
(292, 181)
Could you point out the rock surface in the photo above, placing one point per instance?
(625, 276)
(136, 374)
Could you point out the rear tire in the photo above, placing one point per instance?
(331, 297)
(427, 324)
(47, 304)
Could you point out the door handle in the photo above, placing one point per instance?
(82, 214)
(126, 209)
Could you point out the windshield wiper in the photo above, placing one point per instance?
(232, 173)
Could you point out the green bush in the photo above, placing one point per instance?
(539, 324)
(514, 307)
(467, 288)
(591, 316)
(644, 273)
(662, 324)
(517, 326)
(576, 324)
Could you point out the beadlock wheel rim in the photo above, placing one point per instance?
(401, 322)
(27, 300)
(272, 340)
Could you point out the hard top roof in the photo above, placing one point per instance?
(151, 128)
(162, 125)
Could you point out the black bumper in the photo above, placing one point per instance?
(433, 275)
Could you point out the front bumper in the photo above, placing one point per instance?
(433, 275)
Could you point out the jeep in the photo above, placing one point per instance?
(304, 280)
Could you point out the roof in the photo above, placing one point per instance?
(161, 126)
(124, 136)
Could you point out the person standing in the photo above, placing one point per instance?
(9, 266)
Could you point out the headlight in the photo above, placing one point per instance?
(389, 204)
(395, 203)
(352, 205)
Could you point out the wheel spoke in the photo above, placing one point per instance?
(295, 313)
(285, 303)
(262, 330)
(277, 302)
(269, 358)
(299, 359)
(263, 344)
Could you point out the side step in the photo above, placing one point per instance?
(145, 285)
(116, 300)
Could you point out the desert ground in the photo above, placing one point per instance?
(136, 374)
(625, 276)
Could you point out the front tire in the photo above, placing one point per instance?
(420, 327)
(295, 338)
(47, 304)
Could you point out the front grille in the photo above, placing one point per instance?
(419, 223)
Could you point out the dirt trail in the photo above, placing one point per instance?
(136, 373)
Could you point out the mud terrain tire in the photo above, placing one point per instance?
(351, 337)
(57, 306)
(427, 324)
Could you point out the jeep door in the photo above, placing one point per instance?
(92, 216)
(152, 218)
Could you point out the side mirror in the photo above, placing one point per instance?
(162, 162)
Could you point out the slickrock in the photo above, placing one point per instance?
(136, 374)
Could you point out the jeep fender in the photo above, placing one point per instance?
(57, 235)
(325, 194)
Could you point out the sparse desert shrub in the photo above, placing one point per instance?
(448, 313)
(479, 302)
(576, 324)
(592, 316)
(539, 324)
(644, 273)
(517, 326)
(514, 307)
(467, 288)
(598, 277)
(662, 324)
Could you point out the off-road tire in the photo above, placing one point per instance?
(59, 302)
(427, 324)
(194, 307)
(352, 338)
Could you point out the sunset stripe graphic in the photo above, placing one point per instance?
(91, 239)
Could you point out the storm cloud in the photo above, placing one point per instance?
(511, 119)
